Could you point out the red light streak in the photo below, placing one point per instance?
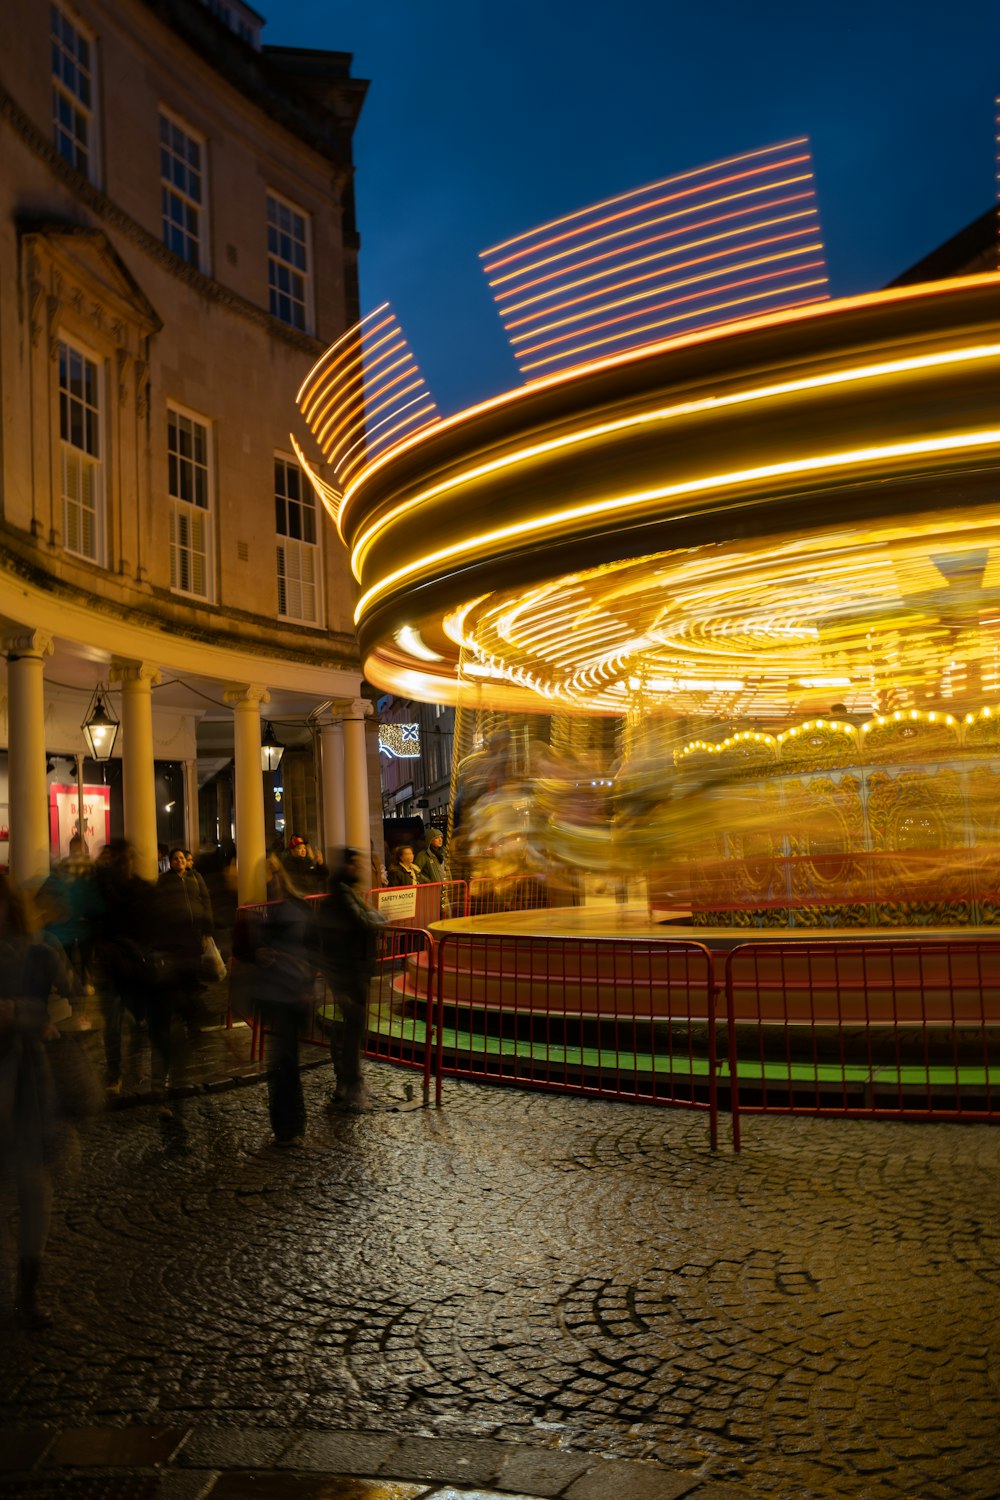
(684, 213)
(612, 266)
(611, 270)
(665, 322)
(662, 306)
(669, 285)
(729, 161)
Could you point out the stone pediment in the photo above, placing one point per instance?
(78, 264)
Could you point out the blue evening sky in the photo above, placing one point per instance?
(482, 121)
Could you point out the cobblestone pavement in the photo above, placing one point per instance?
(818, 1316)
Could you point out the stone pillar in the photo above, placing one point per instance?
(28, 817)
(192, 819)
(331, 754)
(251, 850)
(137, 680)
(357, 811)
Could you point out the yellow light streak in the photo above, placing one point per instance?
(818, 463)
(412, 641)
(329, 497)
(350, 333)
(855, 373)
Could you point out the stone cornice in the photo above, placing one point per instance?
(328, 651)
(98, 203)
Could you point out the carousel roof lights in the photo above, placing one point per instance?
(477, 544)
(872, 371)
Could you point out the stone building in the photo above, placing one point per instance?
(177, 245)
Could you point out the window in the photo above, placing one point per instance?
(182, 198)
(80, 452)
(73, 94)
(298, 550)
(287, 262)
(188, 484)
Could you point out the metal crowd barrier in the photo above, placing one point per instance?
(489, 895)
(605, 1017)
(908, 1028)
(418, 906)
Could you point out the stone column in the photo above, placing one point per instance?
(357, 812)
(137, 680)
(27, 795)
(251, 850)
(331, 754)
(192, 820)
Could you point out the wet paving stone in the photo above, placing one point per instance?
(818, 1316)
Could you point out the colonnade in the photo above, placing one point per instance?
(343, 767)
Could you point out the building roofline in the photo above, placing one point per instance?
(977, 242)
(320, 107)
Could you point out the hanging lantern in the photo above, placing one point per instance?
(271, 749)
(100, 727)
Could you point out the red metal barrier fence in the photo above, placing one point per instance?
(488, 895)
(902, 1027)
(420, 905)
(619, 1019)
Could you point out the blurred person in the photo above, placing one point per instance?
(431, 861)
(162, 859)
(281, 948)
(379, 874)
(348, 951)
(183, 920)
(29, 972)
(67, 904)
(404, 870)
(123, 959)
(217, 868)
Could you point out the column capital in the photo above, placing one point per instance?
(134, 671)
(36, 643)
(245, 692)
(350, 708)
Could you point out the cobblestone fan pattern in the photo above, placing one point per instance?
(819, 1316)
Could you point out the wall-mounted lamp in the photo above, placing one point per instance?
(100, 727)
(271, 749)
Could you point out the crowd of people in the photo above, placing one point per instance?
(147, 951)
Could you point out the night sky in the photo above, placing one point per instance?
(482, 121)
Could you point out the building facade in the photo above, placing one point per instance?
(177, 245)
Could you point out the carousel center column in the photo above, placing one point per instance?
(251, 850)
(27, 784)
(138, 679)
(357, 811)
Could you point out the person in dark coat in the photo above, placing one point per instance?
(404, 869)
(183, 921)
(122, 926)
(277, 948)
(348, 952)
